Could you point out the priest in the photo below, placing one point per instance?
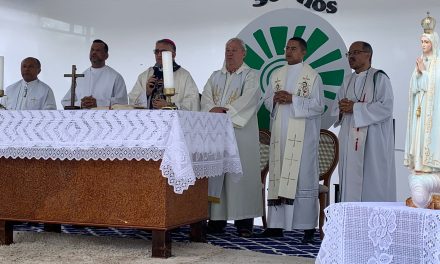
(367, 170)
(101, 84)
(30, 93)
(234, 91)
(147, 91)
(295, 100)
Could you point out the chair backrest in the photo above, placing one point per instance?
(264, 149)
(328, 155)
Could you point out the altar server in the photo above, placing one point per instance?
(101, 84)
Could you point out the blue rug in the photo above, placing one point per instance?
(289, 245)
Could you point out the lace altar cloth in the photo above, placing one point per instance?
(380, 233)
(191, 144)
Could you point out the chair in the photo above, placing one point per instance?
(328, 155)
(264, 166)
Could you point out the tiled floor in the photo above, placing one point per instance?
(290, 244)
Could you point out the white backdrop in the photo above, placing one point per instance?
(59, 33)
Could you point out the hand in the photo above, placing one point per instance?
(346, 106)
(420, 65)
(282, 97)
(218, 109)
(159, 103)
(88, 102)
(150, 84)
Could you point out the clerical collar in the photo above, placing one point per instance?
(295, 66)
(175, 66)
(238, 71)
(31, 82)
(97, 69)
(362, 73)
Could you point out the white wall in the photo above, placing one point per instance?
(59, 33)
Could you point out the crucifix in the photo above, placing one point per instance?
(72, 75)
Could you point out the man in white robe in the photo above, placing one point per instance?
(295, 100)
(234, 91)
(146, 93)
(367, 170)
(30, 93)
(101, 85)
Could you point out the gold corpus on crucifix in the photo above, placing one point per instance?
(72, 75)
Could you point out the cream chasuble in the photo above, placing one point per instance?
(283, 181)
(186, 97)
(226, 89)
(239, 92)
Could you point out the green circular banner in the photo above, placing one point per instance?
(266, 38)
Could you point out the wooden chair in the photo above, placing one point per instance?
(264, 166)
(328, 155)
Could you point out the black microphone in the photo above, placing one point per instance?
(156, 93)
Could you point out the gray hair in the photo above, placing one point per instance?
(240, 41)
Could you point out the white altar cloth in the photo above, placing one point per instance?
(191, 144)
(380, 233)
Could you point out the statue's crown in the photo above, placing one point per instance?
(428, 24)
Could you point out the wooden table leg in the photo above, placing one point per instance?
(198, 232)
(161, 244)
(6, 233)
(56, 228)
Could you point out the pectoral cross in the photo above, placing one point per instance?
(73, 75)
(277, 85)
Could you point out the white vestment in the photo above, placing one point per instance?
(105, 84)
(239, 92)
(366, 168)
(35, 95)
(303, 214)
(186, 97)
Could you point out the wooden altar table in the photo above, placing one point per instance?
(118, 192)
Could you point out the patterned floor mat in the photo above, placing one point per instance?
(290, 244)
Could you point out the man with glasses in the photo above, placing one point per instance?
(147, 91)
(295, 100)
(366, 139)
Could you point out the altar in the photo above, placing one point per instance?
(380, 233)
(122, 168)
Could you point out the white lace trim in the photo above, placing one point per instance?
(380, 233)
(191, 144)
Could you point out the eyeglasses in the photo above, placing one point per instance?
(354, 53)
(159, 51)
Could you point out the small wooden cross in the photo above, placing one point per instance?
(72, 75)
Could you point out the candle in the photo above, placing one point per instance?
(167, 65)
(2, 64)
